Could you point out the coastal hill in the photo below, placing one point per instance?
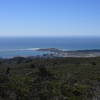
(57, 78)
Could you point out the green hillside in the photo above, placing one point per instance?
(50, 79)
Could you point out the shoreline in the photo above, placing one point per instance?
(54, 52)
(75, 53)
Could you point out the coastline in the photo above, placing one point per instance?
(55, 52)
(72, 53)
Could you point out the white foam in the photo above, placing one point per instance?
(27, 49)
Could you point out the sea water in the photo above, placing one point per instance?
(26, 46)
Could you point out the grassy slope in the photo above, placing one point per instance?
(50, 79)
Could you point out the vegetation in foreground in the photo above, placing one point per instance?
(50, 79)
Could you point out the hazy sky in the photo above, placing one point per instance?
(49, 17)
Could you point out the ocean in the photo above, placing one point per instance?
(25, 46)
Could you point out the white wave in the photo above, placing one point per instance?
(63, 49)
(33, 49)
(27, 49)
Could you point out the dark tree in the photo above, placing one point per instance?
(7, 71)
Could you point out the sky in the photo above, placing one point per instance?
(49, 18)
